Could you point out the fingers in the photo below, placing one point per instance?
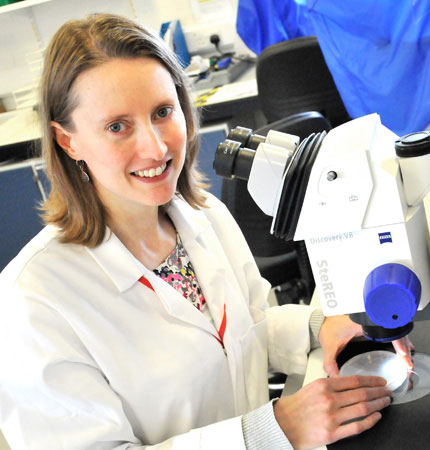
(329, 409)
(362, 392)
(335, 333)
(356, 382)
(401, 346)
(360, 417)
(356, 427)
(331, 368)
(362, 396)
(330, 365)
(362, 411)
(404, 348)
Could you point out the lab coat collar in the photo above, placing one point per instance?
(117, 262)
(189, 222)
(123, 268)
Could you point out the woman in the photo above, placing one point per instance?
(137, 318)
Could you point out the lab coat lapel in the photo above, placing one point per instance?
(199, 241)
(125, 271)
(178, 306)
(211, 277)
(230, 317)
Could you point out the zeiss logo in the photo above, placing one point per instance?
(385, 237)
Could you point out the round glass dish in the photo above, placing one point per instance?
(418, 384)
(379, 363)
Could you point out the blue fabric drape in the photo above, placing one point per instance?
(261, 23)
(379, 56)
(378, 52)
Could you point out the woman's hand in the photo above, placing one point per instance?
(404, 349)
(335, 333)
(327, 410)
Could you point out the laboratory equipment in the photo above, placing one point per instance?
(355, 195)
(379, 363)
(407, 385)
(418, 383)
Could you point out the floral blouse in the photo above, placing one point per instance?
(178, 271)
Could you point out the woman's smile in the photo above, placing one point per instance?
(151, 173)
(154, 174)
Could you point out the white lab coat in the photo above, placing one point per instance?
(93, 359)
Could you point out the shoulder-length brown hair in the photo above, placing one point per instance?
(73, 205)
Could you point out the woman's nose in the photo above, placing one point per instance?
(151, 143)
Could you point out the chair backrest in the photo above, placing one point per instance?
(293, 77)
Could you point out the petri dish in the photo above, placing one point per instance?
(379, 363)
(418, 383)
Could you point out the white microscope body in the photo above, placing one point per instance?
(371, 214)
(363, 221)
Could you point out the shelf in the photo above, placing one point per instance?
(20, 5)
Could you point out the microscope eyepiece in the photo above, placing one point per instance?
(234, 157)
(231, 160)
(246, 137)
(240, 134)
(413, 144)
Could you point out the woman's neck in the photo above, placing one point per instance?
(149, 235)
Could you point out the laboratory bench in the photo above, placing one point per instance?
(235, 103)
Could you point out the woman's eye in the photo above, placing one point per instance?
(164, 112)
(116, 127)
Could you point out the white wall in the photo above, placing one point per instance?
(25, 32)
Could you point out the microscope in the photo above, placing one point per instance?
(355, 195)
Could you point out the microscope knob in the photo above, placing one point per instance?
(391, 295)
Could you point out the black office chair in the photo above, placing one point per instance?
(293, 77)
(284, 264)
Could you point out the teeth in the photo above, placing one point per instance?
(151, 172)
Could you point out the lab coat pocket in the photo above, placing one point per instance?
(255, 360)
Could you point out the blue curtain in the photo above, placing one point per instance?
(379, 55)
(378, 52)
(261, 23)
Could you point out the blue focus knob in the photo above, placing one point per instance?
(392, 294)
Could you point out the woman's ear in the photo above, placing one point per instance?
(63, 138)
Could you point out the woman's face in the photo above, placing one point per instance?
(131, 132)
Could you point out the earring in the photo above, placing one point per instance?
(84, 175)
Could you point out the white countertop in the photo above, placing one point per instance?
(19, 126)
